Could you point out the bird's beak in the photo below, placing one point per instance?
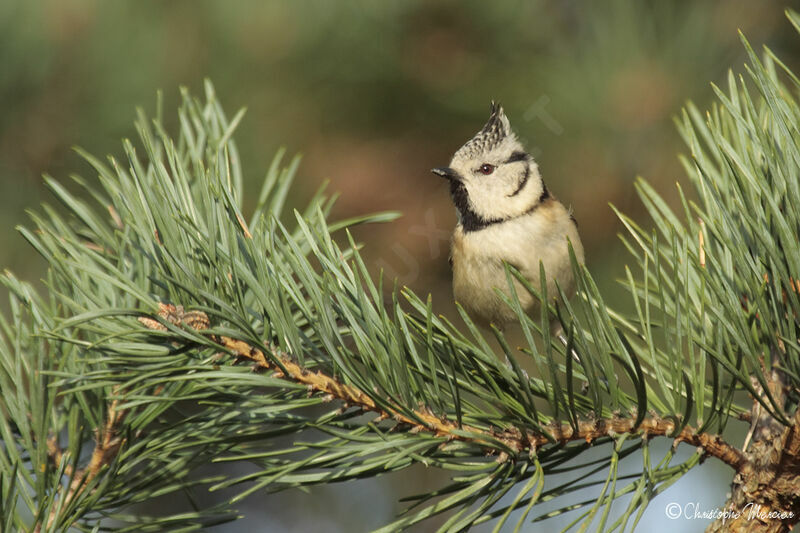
(447, 173)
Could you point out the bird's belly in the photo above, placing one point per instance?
(476, 278)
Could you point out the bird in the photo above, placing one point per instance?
(505, 214)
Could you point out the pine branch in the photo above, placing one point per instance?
(108, 442)
(767, 483)
(516, 441)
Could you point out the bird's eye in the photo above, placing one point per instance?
(486, 168)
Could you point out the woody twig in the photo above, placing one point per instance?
(422, 419)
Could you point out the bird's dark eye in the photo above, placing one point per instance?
(486, 168)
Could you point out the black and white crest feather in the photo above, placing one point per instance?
(497, 129)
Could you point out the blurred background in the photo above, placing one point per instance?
(374, 94)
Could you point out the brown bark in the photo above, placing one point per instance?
(765, 494)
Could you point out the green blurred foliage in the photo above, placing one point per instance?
(375, 93)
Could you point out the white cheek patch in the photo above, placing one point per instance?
(522, 182)
(487, 198)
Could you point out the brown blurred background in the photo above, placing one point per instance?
(375, 93)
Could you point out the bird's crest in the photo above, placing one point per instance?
(496, 130)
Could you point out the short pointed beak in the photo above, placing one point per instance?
(446, 172)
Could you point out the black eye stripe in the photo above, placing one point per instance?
(517, 156)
